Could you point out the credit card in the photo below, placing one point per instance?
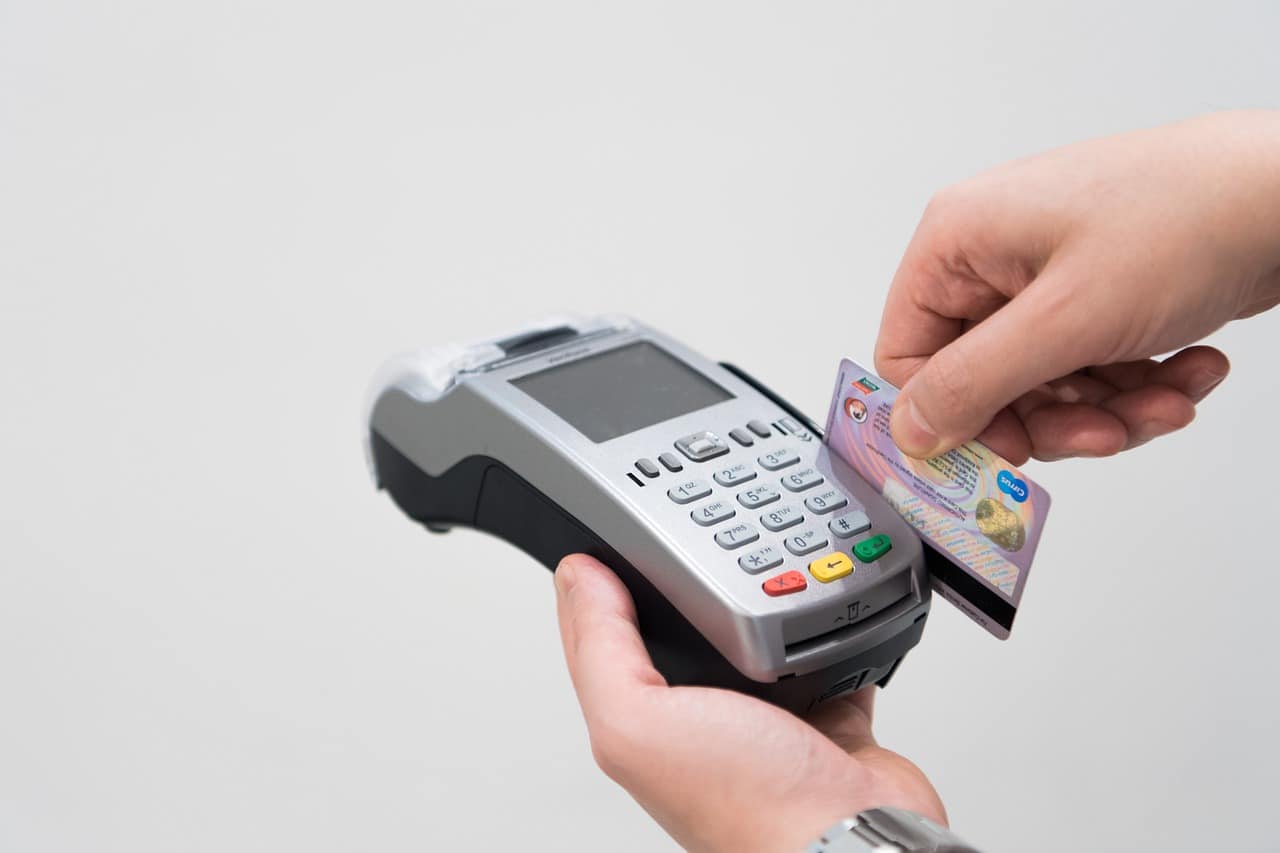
(979, 516)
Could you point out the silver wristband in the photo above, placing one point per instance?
(888, 830)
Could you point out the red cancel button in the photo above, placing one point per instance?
(785, 583)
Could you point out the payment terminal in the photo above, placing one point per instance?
(758, 561)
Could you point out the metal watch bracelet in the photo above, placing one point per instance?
(888, 830)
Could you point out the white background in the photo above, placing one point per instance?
(216, 219)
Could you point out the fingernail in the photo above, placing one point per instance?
(911, 431)
(566, 575)
(1202, 382)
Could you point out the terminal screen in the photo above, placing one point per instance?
(622, 390)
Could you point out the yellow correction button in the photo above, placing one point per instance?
(831, 567)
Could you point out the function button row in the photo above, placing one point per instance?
(760, 428)
(671, 462)
(824, 502)
(735, 474)
(758, 496)
(701, 446)
(798, 481)
(778, 459)
(781, 518)
(850, 524)
(736, 536)
(761, 559)
(689, 491)
(646, 467)
(713, 513)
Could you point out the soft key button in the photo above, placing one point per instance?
(713, 513)
(831, 567)
(737, 536)
(794, 427)
(741, 436)
(760, 428)
(735, 474)
(689, 491)
(701, 446)
(779, 459)
(798, 481)
(646, 467)
(671, 461)
(784, 584)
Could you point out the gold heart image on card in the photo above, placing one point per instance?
(1000, 524)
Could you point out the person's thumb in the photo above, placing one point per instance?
(602, 644)
(962, 386)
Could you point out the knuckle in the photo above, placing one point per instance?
(948, 203)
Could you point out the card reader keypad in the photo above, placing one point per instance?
(801, 528)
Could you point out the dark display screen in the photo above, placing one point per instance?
(620, 391)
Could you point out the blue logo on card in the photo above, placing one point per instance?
(1012, 486)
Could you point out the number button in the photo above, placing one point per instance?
(781, 518)
(737, 536)
(850, 524)
(798, 481)
(778, 459)
(757, 496)
(713, 513)
(828, 501)
(760, 560)
(806, 542)
(735, 474)
(689, 491)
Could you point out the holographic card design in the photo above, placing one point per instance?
(981, 515)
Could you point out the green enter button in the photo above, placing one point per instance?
(870, 550)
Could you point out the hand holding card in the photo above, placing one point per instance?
(980, 517)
